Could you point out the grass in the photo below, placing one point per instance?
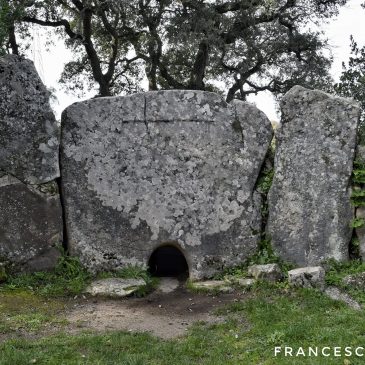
(336, 271)
(31, 302)
(69, 278)
(271, 317)
(25, 311)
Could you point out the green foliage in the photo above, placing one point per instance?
(358, 223)
(359, 168)
(358, 193)
(244, 47)
(269, 317)
(4, 14)
(50, 188)
(236, 272)
(358, 176)
(358, 198)
(265, 180)
(68, 278)
(352, 84)
(10, 12)
(264, 255)
(3, 274)
(355, 242)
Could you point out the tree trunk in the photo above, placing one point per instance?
(232, 91)
(104, 89)
(12, 40)
(200, 65)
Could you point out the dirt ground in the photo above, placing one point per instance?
(167, 313)
(164, 313)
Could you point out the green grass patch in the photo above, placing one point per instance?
(22, 310)
(70, 278)
(67, 279)
(271, 317)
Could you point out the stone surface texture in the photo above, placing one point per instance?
(167, 284)
(30, 225)
(245, 282)
(175, 167)
(307, 277)
(355, 280)
(336, 294)
(29, 135)
(309, 201)
(115, 287)
(221, 286)
(30, 210)
(269, 272)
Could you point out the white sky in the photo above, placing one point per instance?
(351, 20)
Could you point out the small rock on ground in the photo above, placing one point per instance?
(307, 277)
(336, 294)
(213, 285)
(168, 285)
(269, 272)
(243, 282)
(115, 287)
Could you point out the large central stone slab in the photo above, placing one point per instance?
(171, 167)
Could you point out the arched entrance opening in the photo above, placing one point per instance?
(168, 261)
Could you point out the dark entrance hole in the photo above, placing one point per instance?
(168, 261)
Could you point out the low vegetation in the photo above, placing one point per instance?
(69, 278)
(336, 272)
(270, 316)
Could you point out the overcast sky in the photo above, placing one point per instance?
(350, 21)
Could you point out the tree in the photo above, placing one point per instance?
(243, 46)
(352, 82)
(9, 14)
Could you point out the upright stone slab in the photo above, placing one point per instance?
(30, 224)
(29, 135)
(309, 201)
(30, 209)
(171, 167)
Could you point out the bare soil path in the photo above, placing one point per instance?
(166, 313)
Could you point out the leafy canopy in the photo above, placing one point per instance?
(243, 46)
